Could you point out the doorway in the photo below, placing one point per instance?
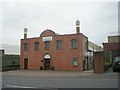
(47, 64)
(25, 63)
(47, 59)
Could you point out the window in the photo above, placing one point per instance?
(25, 46)
(75, 64)
(36, 45)
(59, 44)
(47, 45)
(73, 43)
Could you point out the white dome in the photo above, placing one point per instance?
(77, 22)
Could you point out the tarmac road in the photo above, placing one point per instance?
(65, 80)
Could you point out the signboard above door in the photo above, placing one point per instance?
(48, 38)
(47, 56)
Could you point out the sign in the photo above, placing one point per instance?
(46, 56)
(49, 38)
(75, 63)
(89, 54)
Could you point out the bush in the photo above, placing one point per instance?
(107, 66)
(10, 67)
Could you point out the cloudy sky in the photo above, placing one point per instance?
(97, 19)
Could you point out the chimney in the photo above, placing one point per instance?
(25, 33)
(77, 26)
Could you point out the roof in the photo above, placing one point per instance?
(47, 32)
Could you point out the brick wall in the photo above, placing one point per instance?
(98, 62)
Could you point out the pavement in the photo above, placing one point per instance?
(47, 73)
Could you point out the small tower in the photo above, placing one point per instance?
(77, 26)
(25, 33)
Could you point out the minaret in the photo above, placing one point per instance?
(25, 33)
(77, 26)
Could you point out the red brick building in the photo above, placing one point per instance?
(53, 51)
(112, 47)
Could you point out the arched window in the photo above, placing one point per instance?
(73, 43)
(25, 46)
(59, 44)
(47, 45)
(36, 45)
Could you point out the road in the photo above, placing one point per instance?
(106, 80)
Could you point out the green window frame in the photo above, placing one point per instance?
(25, 46)
(73, 43)
(36, 45)
(59, 44)
(47, 45)
(75, 62)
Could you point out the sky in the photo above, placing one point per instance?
(97, 19)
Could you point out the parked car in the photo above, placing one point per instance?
(116, 64)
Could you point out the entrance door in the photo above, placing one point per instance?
(25, 63)
(47, 64)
